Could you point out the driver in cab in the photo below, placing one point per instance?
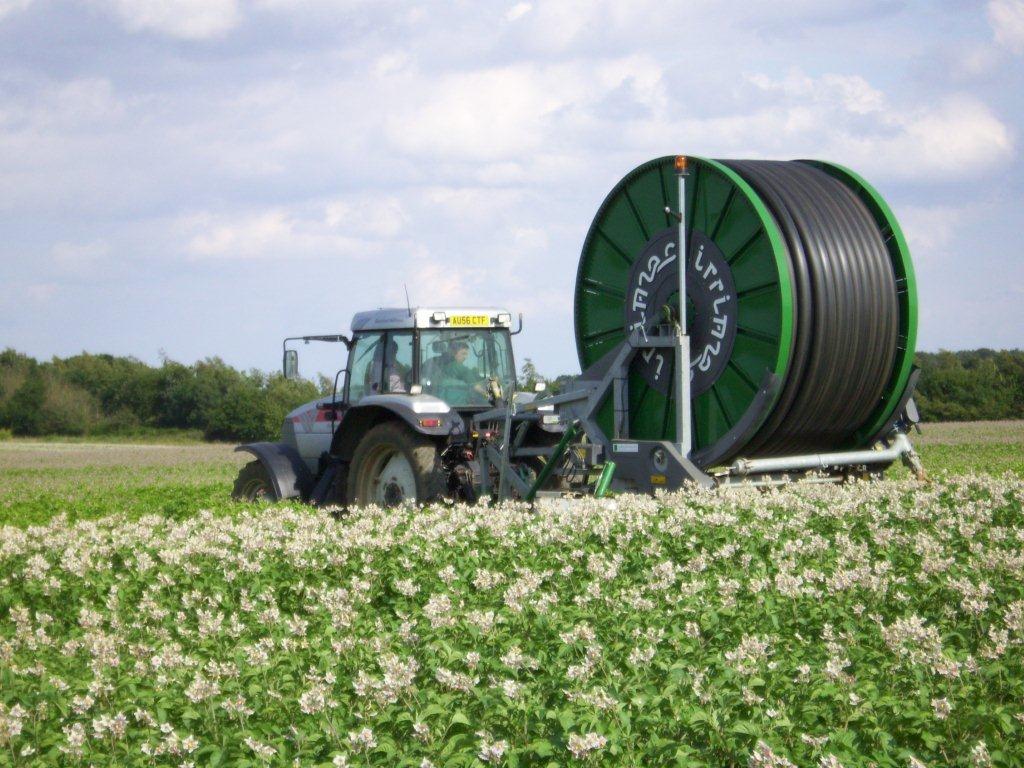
(450, 368)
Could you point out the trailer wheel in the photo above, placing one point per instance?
(392, 465)
(253, 484)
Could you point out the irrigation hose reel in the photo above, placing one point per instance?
(796, 313)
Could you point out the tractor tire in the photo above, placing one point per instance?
(392, 465)
(253, 484)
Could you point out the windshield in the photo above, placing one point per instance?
(455, 365)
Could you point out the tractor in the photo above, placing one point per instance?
(399, 428)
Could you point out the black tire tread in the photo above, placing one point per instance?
(420, 450)
(254, 470)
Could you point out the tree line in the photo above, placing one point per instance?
(106, 395)
(972, 385)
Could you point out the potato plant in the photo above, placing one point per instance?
(870, 625)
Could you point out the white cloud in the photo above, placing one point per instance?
(930, 230)
(845, 119)
(507, 113)
(355, 228)
(1007, 20)
(959, 135)
(517, 11)
(852, 92)
(374, 217)
(390, 63)
(251, 236)
(8, 7)
(187, 19)
(430, 282)
(74, 105)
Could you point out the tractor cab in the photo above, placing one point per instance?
(462, 357)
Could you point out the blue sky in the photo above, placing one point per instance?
(204, 177)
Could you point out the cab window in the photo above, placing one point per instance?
(398, 362)
(455, 365)
(365, 366)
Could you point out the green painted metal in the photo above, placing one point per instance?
(906, 286)
(604, 480)
(549, 465)
(723, 206)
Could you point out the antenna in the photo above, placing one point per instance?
(408, 306)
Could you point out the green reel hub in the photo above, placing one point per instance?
(747, 299)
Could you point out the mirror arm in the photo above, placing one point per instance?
(333, 337)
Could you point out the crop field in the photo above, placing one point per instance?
(145, 620)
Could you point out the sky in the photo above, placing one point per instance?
(198, 178)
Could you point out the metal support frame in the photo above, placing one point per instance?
(683, 434)
(641, 465)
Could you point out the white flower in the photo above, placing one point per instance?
(438, 610)
(763, 757)
(748, 656)
(313, 700)
(456, 681)
(512, 689)
(406, 587)
(491, 751)
(942, 708)
(581, 746)
(639, 657)
(201, 689)
(263, 751)
(979, 756)
(362, 740)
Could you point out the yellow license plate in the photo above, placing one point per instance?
(469, 320)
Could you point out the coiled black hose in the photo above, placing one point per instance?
(847, 311)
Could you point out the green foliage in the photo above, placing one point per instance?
(971, 385)
(23, 412)
(528, 375)
(854, 626)
(102, 395)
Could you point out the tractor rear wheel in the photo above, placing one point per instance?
(253, 484)
(392, 465)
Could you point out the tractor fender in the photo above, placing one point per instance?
(360, 418)
(288, 472)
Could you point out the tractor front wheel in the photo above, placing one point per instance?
(253, 484)
(392, 465)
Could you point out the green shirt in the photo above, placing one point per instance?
(454, 370)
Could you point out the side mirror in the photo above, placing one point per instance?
(540, 386)
(291, 364)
